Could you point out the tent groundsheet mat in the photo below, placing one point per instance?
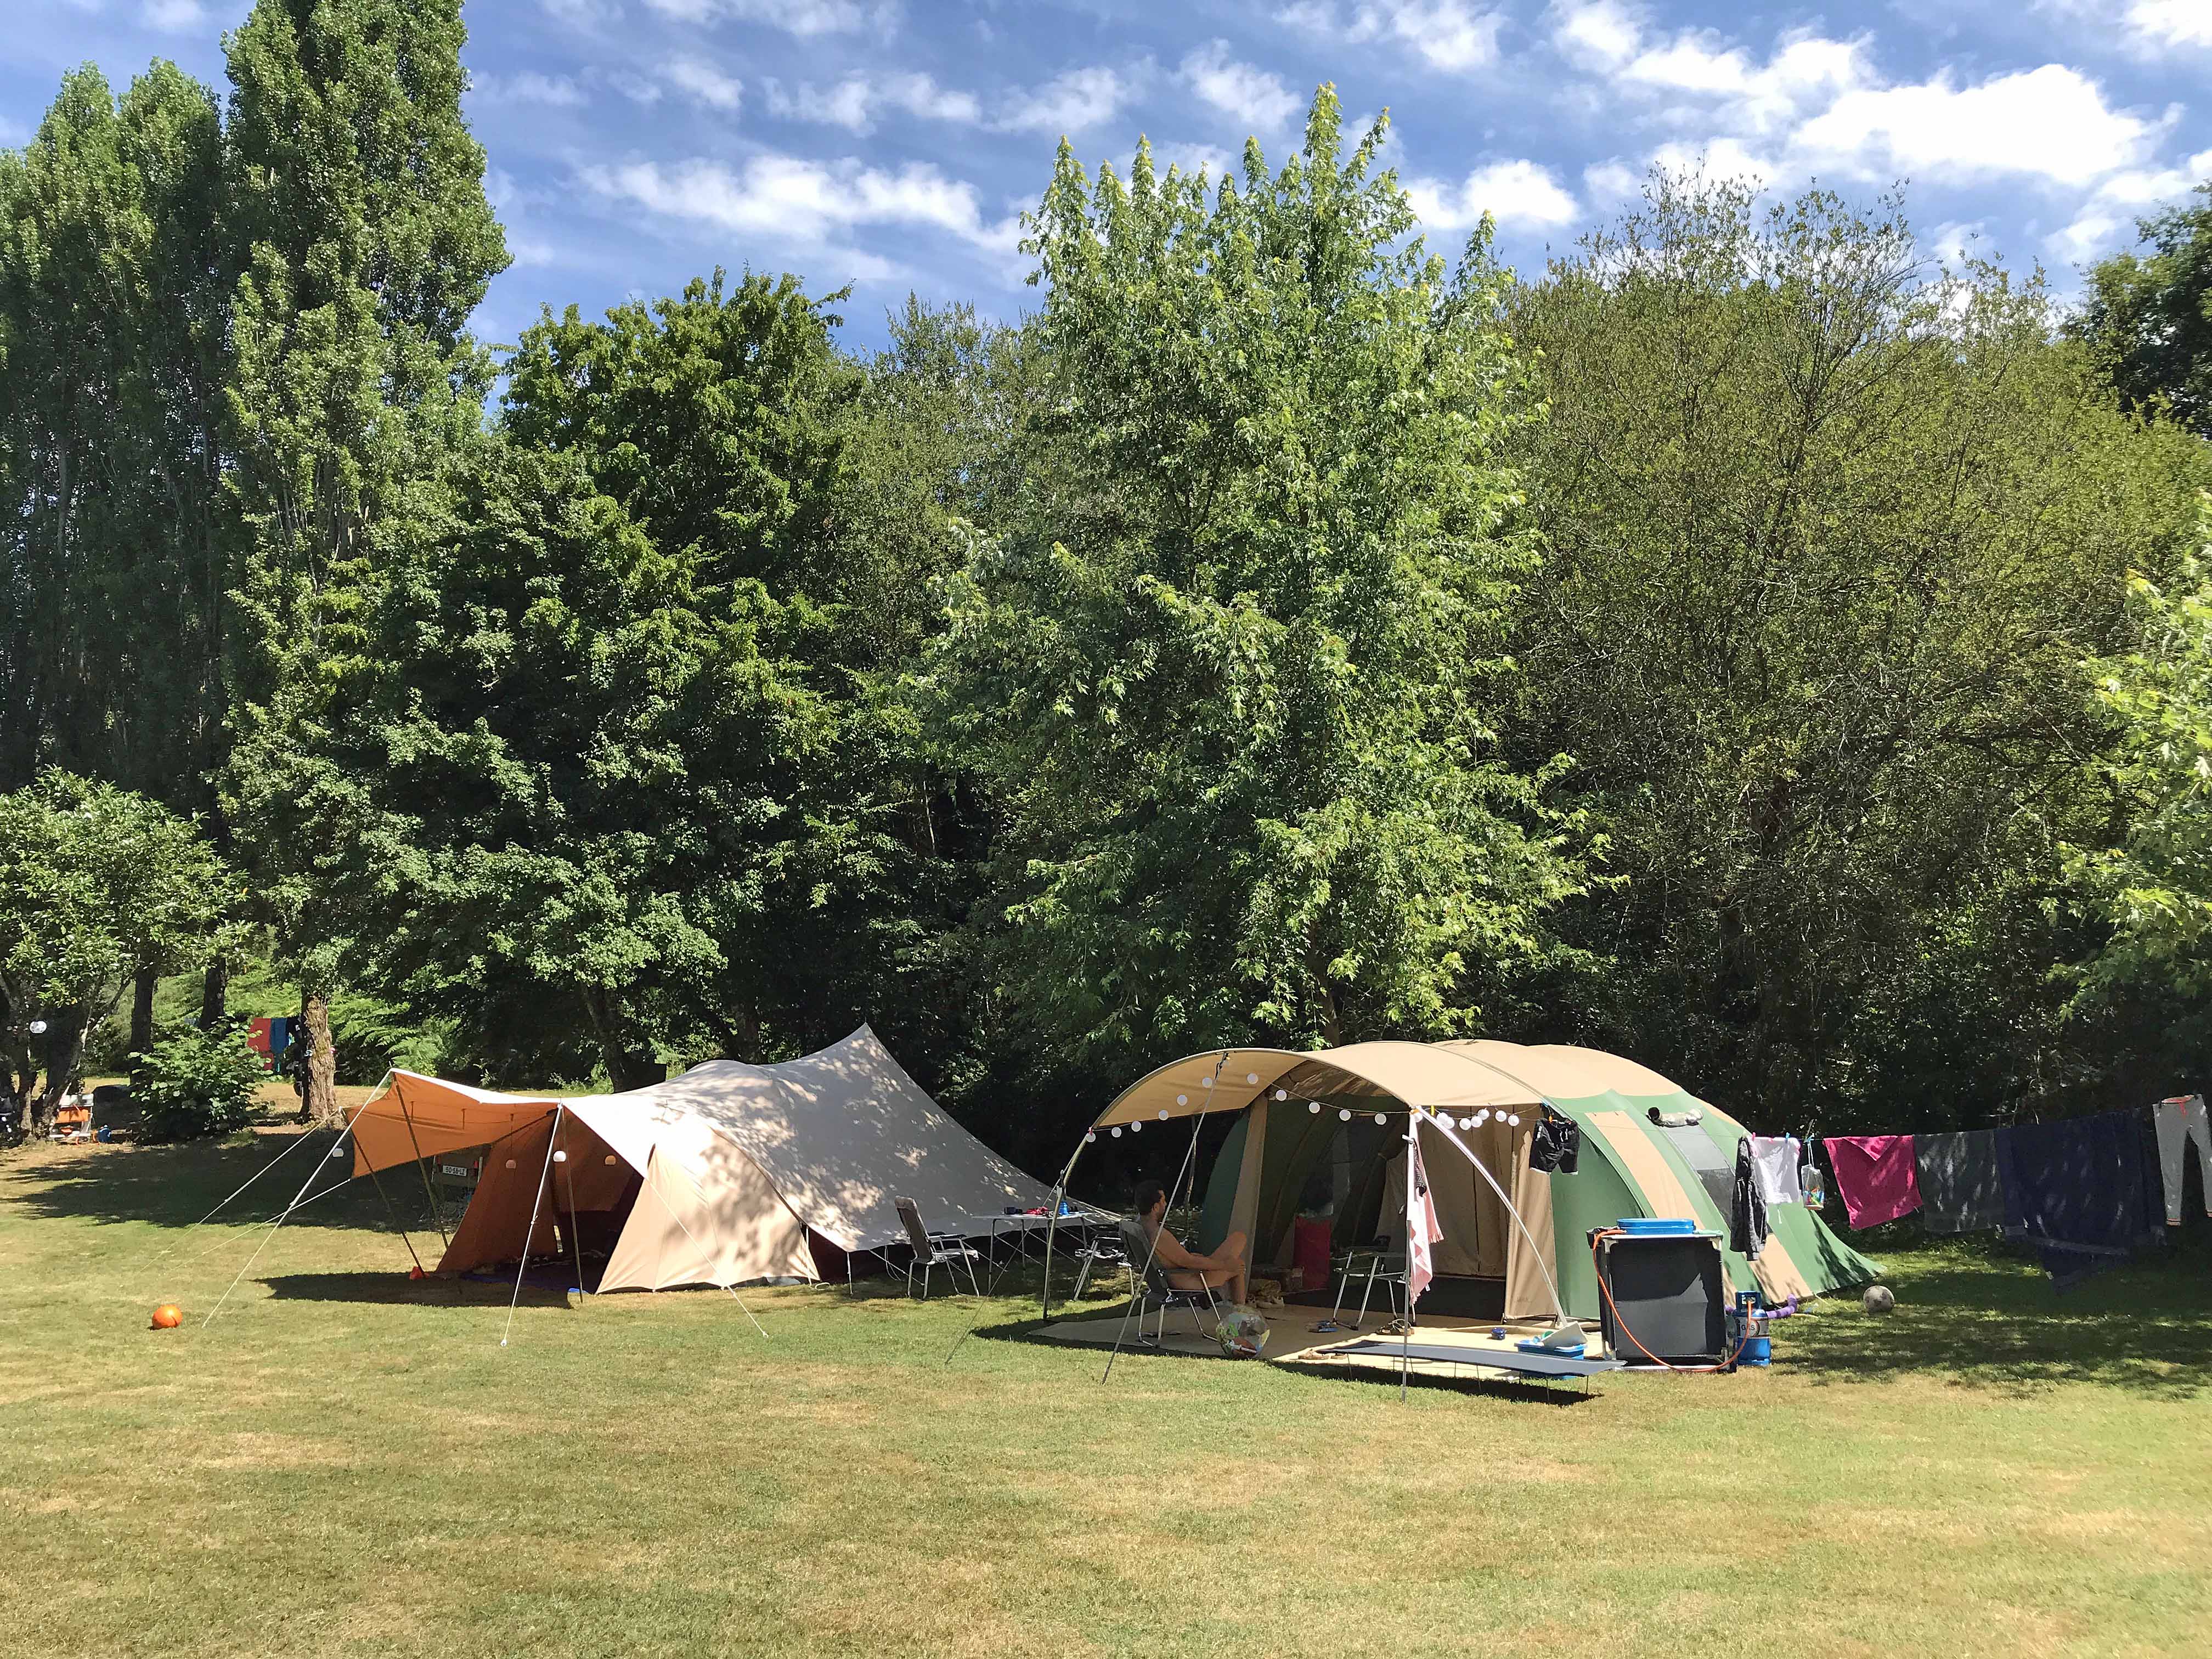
(1290, 1342)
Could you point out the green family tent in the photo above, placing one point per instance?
(1317, 1134)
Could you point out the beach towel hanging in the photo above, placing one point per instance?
(1876, 1176)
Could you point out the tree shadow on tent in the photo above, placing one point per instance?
(397, 1289)
(1977, 1314)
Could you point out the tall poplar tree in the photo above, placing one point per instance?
(356, 193)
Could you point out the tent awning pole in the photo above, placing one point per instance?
(552, 1138)
(1559, 1306)
(437, 1211)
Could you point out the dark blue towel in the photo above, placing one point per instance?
(2085, 1181)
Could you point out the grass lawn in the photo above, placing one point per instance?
(346, 1462)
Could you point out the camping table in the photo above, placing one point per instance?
(1523, 1361)
(1017, 1230)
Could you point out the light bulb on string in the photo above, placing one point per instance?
(560, 1158)
(1379, 1118)
(1134, 1126)
(1206, 1082)
(1089, 1135)
(1163, 1114)
(1252, 1078)
(1313, 1106)
(610, 1160)
(1514, 1122)
(1117, 1132)
(1183, 1100)
(1344, 1113)
(1282, 1094)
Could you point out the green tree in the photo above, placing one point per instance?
(1231, 681)
(113, 562)
(2156, 886)
(548, 769)
(1828, 534)
(356, 203)
(96, 883)
(2147, 316)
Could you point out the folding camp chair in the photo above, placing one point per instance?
(1151, 1292)
(1100, 1248)
(935, 1250)
(1386, 1264)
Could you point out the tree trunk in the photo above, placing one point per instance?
(64, 1047)
(628, 1065)
(215, 992)
(141, 1019)
(320, 1100)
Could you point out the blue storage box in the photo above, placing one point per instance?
(1651, 1226)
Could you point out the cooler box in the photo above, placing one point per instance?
(1668, 1298)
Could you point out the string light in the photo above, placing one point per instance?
(1344, 1113)
(560, 1158)
(510, 1164)
(1282, 1094)
(1514, 1120)
(1206, 1082)
(1313, 1106)
(1117, 1132)
(1163, 1114)
(1379, 1118)
(1134, 1126)
(1089, 1135)
(1183, 1100)
(1252, 1078)
(610, 1160)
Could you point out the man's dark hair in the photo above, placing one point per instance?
(1149, 1192)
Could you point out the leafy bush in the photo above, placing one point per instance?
(195, 1083)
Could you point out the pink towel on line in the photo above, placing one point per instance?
(1877, 1174)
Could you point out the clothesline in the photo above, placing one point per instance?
(2087, 1190)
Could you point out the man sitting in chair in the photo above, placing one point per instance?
(1186, 1270)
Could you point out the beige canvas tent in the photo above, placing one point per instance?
(718, 1177)
(1307, 1128)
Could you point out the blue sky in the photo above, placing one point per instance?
(891, 143)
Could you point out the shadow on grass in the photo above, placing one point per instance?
(1976, 1314)
(174, 1186)
(397, 1289)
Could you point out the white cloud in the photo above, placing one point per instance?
(806, 201)
(1243, 90)
(2171, 22)
(555, 91)
(1068, 103)
(635, 88)
(705, 82)
(174, 16)
(1600, 34)
(1612, 181)
(1517, 192)
(854, 102)
(1717, 158)
(802, 18)
(2050, 123)
(1446, 34)
(1212, 160)
(2105, 222)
